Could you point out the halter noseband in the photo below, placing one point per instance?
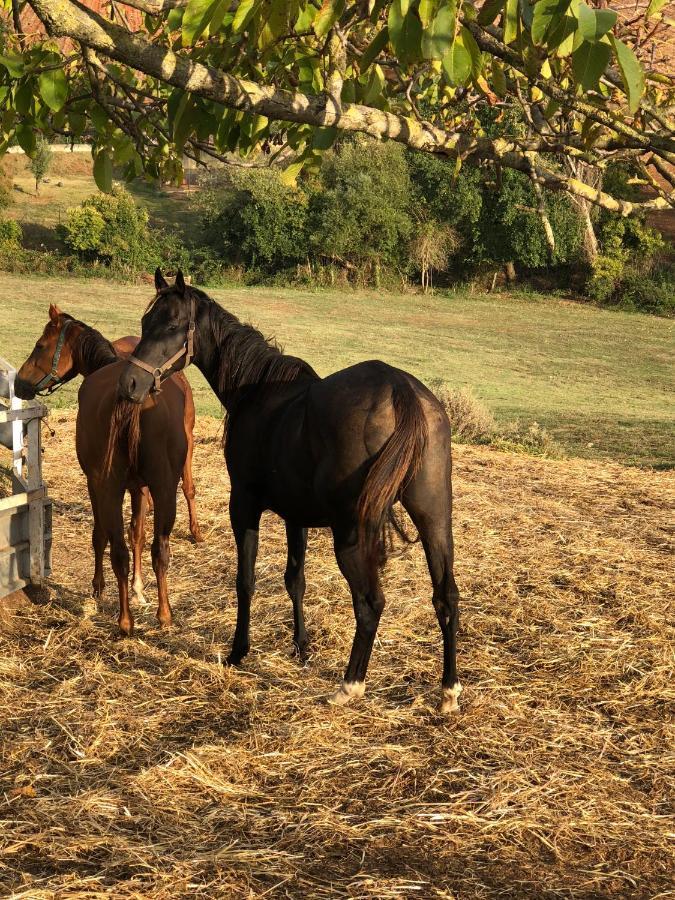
(41, 387)
(187, 350)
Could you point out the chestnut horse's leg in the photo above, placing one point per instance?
(99, 541)
(294, 578)
(109, 501)
(245, 517)
(139, 509)
(188, 481)
(164, 496)
(368, 601)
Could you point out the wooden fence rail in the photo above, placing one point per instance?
(25, 515)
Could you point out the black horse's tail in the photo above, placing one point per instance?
(124, 435)
(397, 463)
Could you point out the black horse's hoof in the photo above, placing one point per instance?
(235, 659)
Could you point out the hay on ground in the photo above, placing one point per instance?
(142, 768)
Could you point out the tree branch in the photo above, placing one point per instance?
(67, 18)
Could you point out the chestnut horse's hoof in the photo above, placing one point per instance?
(126, 628)
(197, 535)
(450, 700)
(348, 691)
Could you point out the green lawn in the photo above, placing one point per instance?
(601, 382)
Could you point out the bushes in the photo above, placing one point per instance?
(110, 229)
(251, 217)
(359, 208)
(473, 423)
(10, 233)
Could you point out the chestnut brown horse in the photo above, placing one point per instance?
(142, 450)
(333, 452)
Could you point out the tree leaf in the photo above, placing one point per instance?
(427, 12)
(474, 51)
(23, 97)
(103, 170)
(26, 138)
(655, 7)
(244, 14)
(330, 12)
(594, 23)
(14, 64)
(490, 11)
(631, 73)
(437, 39)
(53, 88)
(457, 62)
(324, 138)
(374, 48)
(548, 15)
(196, 18)
(405, 31)
(510, 21)
(589, 62)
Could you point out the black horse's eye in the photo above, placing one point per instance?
(173, 327)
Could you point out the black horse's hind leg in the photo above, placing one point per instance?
(368, 601)
(431, 511)
(294, 579)
(245, 517)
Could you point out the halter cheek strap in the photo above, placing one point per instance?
(187, 350)
(43, 385)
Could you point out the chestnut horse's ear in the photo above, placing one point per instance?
(160, 281)
(54, 313)
(180, 282)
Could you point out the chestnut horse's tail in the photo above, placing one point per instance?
(125, 434)
(397, 463)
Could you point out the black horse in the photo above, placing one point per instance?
(332, 452)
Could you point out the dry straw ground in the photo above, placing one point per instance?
(141, 768)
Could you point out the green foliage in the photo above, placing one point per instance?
(653, 293)
(253, 217)
(41, 160)
(512, 231)
(10, 233)
(6, 186)
(605, 275)
(110, 229)
(360, 207)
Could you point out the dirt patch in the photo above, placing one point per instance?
(144, 768)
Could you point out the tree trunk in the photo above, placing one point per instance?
(510, 271)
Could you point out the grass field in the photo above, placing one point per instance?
(601, 382)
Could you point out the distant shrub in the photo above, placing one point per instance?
(533, 439)
(110, 229)
(605, 274)
(431, 247)
(251, 216)
(41, 160)
(10, 232)
(6, 183)
(651, 293)
(359, 208)
(471, 421)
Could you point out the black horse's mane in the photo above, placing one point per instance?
(247, 358)
(91, 350)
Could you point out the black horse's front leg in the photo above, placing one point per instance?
(294, 579)
(245, 517)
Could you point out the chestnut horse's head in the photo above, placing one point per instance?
(166, 344)
(51, 361)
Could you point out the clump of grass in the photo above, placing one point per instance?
(522, 438)
(471, 421)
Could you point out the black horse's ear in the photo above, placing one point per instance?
(180, 282)
(160, 281)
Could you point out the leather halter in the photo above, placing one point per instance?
(187, 350)
(41, 387)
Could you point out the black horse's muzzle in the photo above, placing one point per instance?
(23, 389)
